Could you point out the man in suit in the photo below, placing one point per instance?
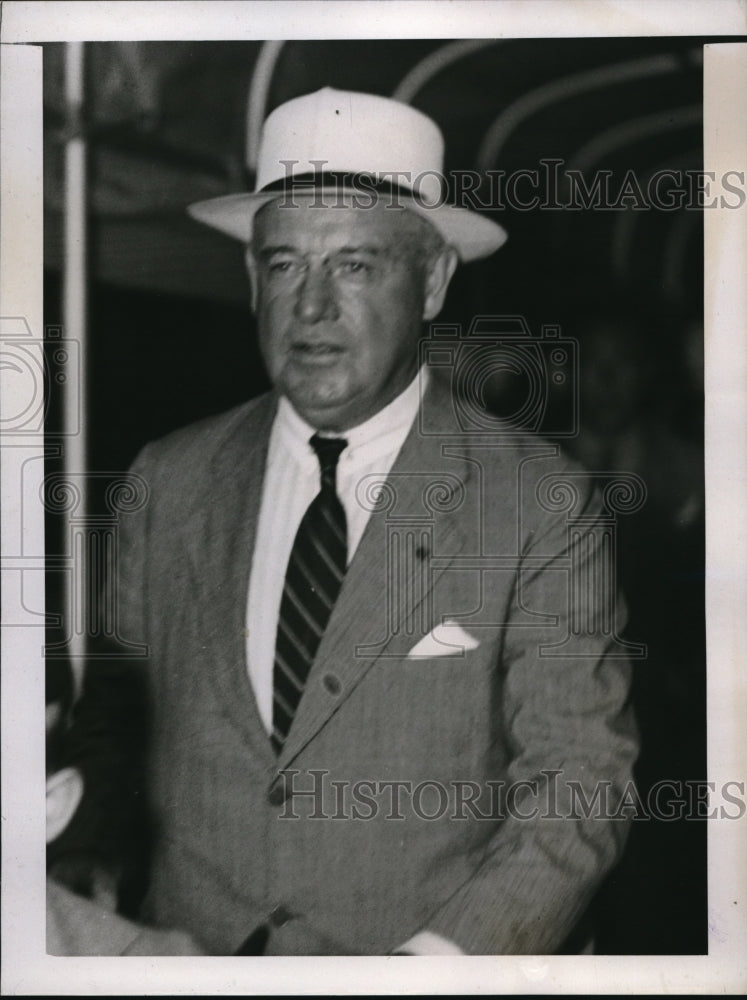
(374, 713)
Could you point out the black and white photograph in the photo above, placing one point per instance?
(373, 457)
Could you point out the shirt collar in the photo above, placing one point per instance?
(380, 433)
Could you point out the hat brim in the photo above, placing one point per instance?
(472, 235)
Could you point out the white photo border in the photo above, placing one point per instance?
(27, 970)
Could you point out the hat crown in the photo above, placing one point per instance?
(344, 131)
(341, 132)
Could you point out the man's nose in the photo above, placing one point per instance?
(316, 299)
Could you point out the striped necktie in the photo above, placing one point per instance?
(316, 568)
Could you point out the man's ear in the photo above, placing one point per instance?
(251, 267)
(439, 273)
(64, 792)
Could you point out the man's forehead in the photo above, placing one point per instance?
(305, 222)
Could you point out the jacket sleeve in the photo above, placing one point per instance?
(573, 741)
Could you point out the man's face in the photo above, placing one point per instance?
(340, 296)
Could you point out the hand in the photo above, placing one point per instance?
(84, 873)
(428, 943)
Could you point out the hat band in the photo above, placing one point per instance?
(360, 183)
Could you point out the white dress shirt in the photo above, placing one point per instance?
(292, 480)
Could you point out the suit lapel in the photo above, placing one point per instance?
(220, 537)
(419, 482)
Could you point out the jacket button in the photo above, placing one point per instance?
(331, 683)
(276, 795)
(280, 915)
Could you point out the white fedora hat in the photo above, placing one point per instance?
(338, 140)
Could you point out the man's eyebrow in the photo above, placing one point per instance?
(361, 248)
(368, 248)
(282, 248)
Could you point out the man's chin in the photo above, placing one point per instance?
(325, 411)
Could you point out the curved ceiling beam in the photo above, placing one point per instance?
(628, 132)
(435, 63)
(259, 90)
(680, 235)
(625, 134)
(560, 90)
(624, 229)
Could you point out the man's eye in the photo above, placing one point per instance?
(354, 267)
(280, 266)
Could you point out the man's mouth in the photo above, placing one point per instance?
(312, 351)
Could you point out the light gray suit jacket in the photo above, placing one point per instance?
(471, 529)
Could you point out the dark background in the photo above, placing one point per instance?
(172, 337)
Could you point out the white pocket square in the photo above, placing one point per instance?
(446, 639)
